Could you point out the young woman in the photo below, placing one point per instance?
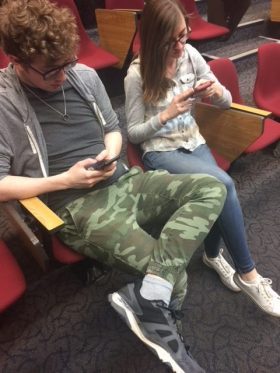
(160, 89)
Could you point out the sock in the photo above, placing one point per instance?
(156, 288)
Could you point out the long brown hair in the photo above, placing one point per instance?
(158, 23)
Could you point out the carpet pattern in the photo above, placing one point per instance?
(62, 326)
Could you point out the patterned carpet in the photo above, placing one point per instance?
(62, 326)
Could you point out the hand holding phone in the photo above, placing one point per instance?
(100, 165)
(202, 86)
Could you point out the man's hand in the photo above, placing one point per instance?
(81, 175)
(179, 105)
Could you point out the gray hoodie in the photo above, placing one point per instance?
(23, 150)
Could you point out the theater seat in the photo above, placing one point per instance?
(224, 69)
(89, 54)
(201, 29)
(63, 253)
(12, 281)
(129, 5)
(4, 60)
(267, 84)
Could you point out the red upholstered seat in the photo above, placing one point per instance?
(4, 60)
(224, 69)
(63, 253)
(267, 84)
(134, 155)
(201, 29)
(12, 281)
(89, 54)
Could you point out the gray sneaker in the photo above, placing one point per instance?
(261, 293)
(154, 324)
(223, 268)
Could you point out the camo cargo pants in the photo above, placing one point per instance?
(107, 224)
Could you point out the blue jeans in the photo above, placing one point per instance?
(230, 224)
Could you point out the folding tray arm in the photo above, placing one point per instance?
(32, 241)
(230, 131)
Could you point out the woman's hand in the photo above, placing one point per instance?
(81, 175)
(215, 90)
(179, 105)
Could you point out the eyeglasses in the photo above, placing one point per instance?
(182, 39)
(53, 73)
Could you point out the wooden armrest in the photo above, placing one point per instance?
(48, 219)
(228, 131)
(116, 29)
(250, 109)
(128, 10)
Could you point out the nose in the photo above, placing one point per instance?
(61, 76)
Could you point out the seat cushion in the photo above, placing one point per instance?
(12, 281)
(271, 134)
(63, 253)
(96, 57)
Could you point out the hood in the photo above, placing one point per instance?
(11, 88)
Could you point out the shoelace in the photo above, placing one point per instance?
(175, 314)
(265, 284)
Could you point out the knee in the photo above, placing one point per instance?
(211, 187)
(230, 187)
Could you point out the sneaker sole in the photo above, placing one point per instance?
(124, 310)
(226, 285)
(253, 299)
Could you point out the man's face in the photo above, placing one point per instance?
(40, 74)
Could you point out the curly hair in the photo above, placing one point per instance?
(31, 28)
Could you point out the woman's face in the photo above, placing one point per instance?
(179, 38)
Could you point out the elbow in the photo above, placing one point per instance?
(133, 138)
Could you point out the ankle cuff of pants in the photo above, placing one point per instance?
(169, 273)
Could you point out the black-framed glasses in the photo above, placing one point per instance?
(53, 73)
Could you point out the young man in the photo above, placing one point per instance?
(56, 124)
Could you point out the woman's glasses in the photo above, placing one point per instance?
(182, 39)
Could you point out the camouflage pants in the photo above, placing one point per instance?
(109, 224)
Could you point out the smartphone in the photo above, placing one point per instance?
(201, 87)
(102, 164)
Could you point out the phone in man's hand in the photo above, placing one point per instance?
(102, 164)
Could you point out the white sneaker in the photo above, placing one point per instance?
(223, 268)
(261, 293)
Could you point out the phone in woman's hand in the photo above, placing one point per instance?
(202, 86)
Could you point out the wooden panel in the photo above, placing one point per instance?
(42, 213)
(275, 11)
(228, 131)
(30, 240)
(116, 31)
